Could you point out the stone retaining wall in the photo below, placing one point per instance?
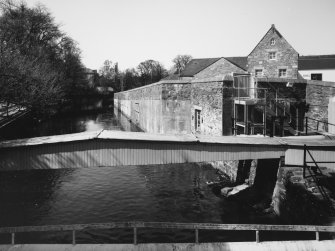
(317, 96)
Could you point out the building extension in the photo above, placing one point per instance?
(268, 92)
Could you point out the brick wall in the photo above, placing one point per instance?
(220, 68)
(286, 56)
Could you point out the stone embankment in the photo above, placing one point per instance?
(307, 200)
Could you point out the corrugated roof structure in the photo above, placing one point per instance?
(317, 62)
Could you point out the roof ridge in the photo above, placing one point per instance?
(317, 56)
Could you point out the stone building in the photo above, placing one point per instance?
(262, 93)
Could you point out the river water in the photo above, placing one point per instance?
(163, 193)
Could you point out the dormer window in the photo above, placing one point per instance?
(272, 55)
(272, 41)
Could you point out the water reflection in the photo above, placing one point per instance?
(171, 193)
(70, 196)
(28, 127)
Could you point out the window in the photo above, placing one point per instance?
(316, 76)
(272, 41)
(259, 73)
(272, 55)
(197, 119)
(282, 73)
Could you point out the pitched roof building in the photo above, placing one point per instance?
(318, 67)
(273, 57)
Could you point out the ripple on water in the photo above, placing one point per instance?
(175, 193)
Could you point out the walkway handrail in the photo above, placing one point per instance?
(317, 124)
(166, 225)
(314, 168)
(305, 162)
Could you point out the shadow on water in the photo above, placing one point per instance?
(170, 193)
(66, 123)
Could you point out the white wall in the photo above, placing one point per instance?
(327, 75)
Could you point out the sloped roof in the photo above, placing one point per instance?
(172, 77)
(316, 62)
(239, 61)
(197, 65)
(273, 29)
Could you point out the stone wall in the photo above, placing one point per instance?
(296, 200)
(238, 171)
(286, 56)
(163, 107)
(220, 68)
(207, 96)
(176, 108)
(214, 100)
(317, 96)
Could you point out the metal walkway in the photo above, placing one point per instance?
(117, 148)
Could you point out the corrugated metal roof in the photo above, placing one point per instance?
(310, 141)
(140, 136)
(50, 139)
(241, 140)
(317, 62)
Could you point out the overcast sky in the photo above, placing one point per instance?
(131, 31)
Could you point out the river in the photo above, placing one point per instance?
(163, 193)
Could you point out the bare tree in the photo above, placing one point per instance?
(39, 65)
(151, 71)
(180, 61)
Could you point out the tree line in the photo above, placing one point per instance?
(147, 72)
(40, 65)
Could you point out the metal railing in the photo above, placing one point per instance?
(316, 171)
(318, 122)
(243, 93)
(166, 225)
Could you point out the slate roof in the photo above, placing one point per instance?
(197, 65)
(239, 61)
(172, 77)
(317, 62)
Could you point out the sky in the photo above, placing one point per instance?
(132, 31)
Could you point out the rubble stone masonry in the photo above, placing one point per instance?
(285, 56)
(207, 97)
(317, 96)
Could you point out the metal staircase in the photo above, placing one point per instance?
(315, 178)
